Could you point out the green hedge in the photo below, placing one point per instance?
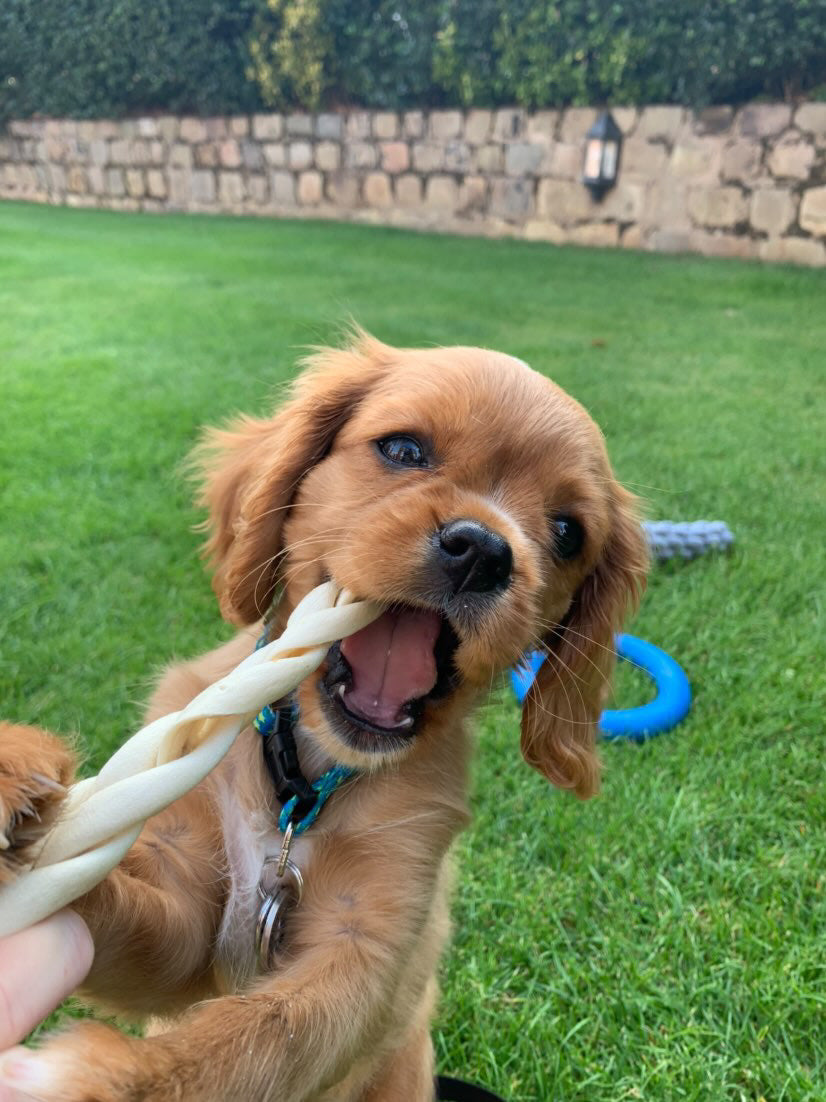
(87, 58)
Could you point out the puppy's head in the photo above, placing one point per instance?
(474, 500)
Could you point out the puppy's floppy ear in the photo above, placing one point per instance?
(252, 469)
(561, 710)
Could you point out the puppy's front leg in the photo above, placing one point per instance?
(298, 1031)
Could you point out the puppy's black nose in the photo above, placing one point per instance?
(474, 559)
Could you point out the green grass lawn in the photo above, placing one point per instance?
(664, 941)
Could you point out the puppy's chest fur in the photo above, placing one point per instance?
(251, 835)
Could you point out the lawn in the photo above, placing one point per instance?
(664, 941)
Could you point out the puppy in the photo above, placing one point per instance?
(474, 500)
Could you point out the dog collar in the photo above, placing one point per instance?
(301, 800)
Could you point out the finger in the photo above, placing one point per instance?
(38, 968)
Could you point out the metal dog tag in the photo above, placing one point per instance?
(276, 905)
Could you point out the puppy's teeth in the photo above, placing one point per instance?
(4, 842)
(340, 691)
(407, 722)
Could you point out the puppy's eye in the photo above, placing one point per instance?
(404, 451)
(568, 536)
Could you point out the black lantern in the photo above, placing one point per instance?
(602, 150)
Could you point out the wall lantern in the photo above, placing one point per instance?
(602, 150)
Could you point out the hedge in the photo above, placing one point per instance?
(87, 58)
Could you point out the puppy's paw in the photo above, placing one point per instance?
(35, 769)
(90, 1062)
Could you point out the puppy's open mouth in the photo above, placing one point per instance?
(380, 678)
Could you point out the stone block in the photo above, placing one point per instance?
(602, 235)
(811, 118)
(408, 191)
(741, 159)
(441, 193)
(155, 184)
(135, 183)
(216, 128)
(139, 153)
(772, 211)
(299, 124)
(360, 154)
(239, 126)
(699, 158)
(640, 157)
(717, 206)
(626, 119)
(473, 196)
(722, 244)
(444, 125)
(764, 120)
(377, 190)
(541, 127)
(541, 229)
(428, 156)
(625, 202)
(575, 124)
(310, 188)
(344, 189)
(157, 152)
(76, 180)
(267, 128)
(713, 120)
(115, 184)
(282, 188)
(385, 125)
(257, 191)
(229, 153)
(180, 155)
(193, 130)
(670, 241)
(230, 189)
(168, 127)
(457, 157)
(148, 128)
(792, 157)
(660, 123)
(794, 250)
(329, 127)
(328, 156)
(512, 200)
(97, 181)
(180, 182)
(666, 205)
(300, 156)
(523, 158)
(508, 124)
(202, 186)
(633, 237)
(489, 159)
(206, 154)
(358, 126)
(564, 161)
(119, 152)
(477, 126)
(275, 154)
(813, 211)
(413, 124)
(563, 202)
(99, 151)
(252, 155)
(395, 157)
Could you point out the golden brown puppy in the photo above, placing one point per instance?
(474, 500)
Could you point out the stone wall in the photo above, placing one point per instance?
(750, 183)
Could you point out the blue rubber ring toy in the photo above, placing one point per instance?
(668, 708)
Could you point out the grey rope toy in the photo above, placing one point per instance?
(668, 539)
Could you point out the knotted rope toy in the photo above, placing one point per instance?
(669, 539)
(104, 815)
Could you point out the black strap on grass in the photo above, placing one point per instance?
(449, 1089)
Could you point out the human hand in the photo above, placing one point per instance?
(39, 967)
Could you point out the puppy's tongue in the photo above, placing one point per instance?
(392, 662)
